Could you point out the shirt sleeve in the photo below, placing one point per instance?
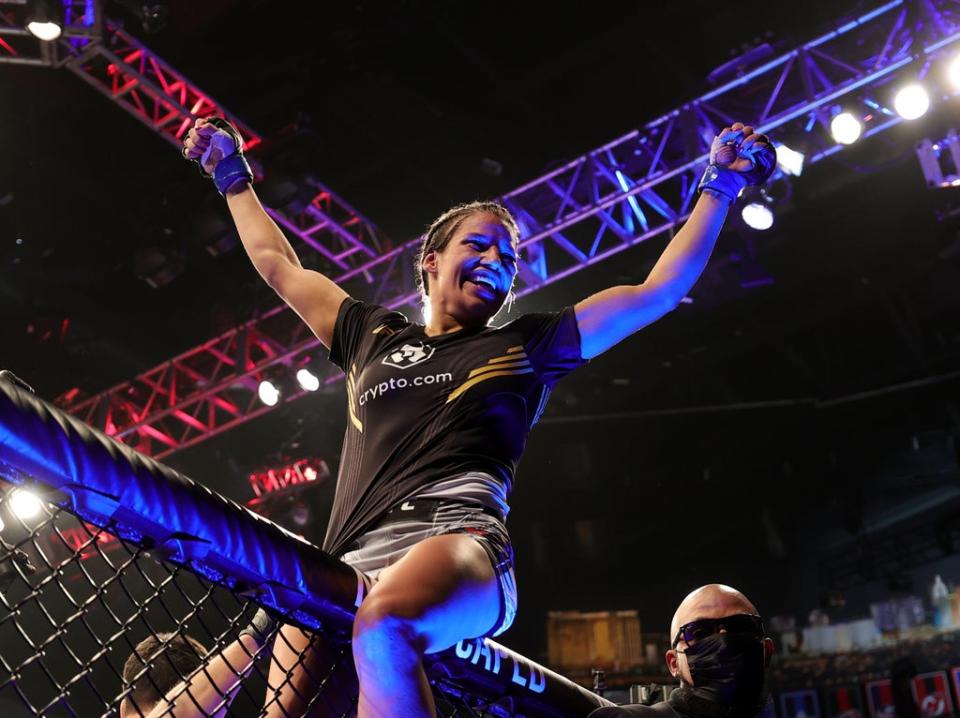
(355, 330)
(552, 343)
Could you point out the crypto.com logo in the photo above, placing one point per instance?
(408, 355)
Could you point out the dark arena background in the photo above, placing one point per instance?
(791, 429)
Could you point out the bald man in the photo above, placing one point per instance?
(719, 653)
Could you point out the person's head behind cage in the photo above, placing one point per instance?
(174, 657)
(719, 652)
(467, 262)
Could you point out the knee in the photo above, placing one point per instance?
(383, 622)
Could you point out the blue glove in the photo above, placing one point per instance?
(225, 152)
(726, 148)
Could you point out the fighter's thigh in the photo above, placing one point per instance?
(306, 670)
(445, 586)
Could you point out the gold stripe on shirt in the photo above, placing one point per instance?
(484, 369)
(509, 357)
(351, 407)
(483, 377)
(386, 329)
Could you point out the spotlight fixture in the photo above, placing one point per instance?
(953, 73)
(308, 380)
(268, 392)
(940, 160)
(845, 128)
(44, 21)
(154, 17)
(24, 504)
(911, 102)
(790, 161)
(757, 215)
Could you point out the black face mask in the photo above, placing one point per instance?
(729, 677)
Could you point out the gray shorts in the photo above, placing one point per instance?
(418, 519)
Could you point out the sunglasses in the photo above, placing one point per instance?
(743, 623)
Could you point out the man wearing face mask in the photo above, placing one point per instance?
(719, 653)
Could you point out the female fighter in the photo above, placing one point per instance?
(439, 413)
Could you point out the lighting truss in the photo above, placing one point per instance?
(81, 28)
(637, 187)
(102, 54)
(330, 231)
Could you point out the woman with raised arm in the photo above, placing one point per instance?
(439, 413)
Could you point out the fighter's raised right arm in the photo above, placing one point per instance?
(314, 297)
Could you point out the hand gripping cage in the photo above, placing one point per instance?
(122, 549)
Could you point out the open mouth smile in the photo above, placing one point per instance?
(483, 282)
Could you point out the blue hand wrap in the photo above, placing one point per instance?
(723, 181)
(231, 171)
(764, 159)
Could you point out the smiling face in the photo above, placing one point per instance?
(470, 278)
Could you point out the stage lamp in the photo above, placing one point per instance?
(268, 392)
(308, 380)
(790, 161)
(757, 215)
(845, 128)
(43, 20)
(953, 72)
(911, 102)
(24, 504)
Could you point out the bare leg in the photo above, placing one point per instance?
(307, 672)
(442, 591)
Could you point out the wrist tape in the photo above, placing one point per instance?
(723, 181)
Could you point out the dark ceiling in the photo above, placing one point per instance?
(711, 446)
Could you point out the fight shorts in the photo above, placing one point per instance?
(417, 519)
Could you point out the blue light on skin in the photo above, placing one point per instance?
(508, 259)
(482, 244)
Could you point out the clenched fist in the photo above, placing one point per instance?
(216, 146)
(740, 149)
(208, 143)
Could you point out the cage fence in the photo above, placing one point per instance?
(127, 588)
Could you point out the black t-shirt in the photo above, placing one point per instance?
(421, 409)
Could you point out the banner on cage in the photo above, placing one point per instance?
(844, 701)
(955, 680)
(880, 699)
(799, 704)
(931, 691)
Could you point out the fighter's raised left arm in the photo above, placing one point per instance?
(738, 157)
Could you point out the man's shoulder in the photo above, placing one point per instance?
(657, 710)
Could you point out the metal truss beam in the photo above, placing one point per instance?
(619, 195)
(82, 26)
(324, 227)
